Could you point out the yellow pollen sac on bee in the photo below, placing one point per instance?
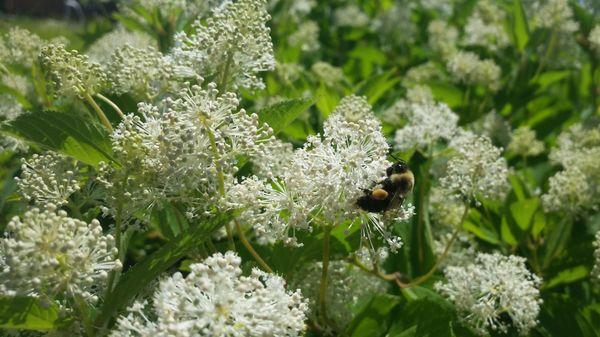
(379, 194)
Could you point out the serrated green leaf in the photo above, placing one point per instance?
(433, 317)
(63, 132)
(519, 26)
(27, 313)
(282, 114)
(146, 271)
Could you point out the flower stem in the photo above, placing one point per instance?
(88, 98)
(324, 275)
(111, 103)
(445, 253)
(250, 249)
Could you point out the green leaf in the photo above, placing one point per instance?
(27, 313)
(370, 321)
(63, 132)
(519, 26)
(430, 316)
(282, 114)
(506, 233)
(327, 100)
(567, 276)
(140, 275)
(376, 86)
(522, 211)
(446, 92)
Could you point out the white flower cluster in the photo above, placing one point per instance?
(233, 44)
(19, 46)
(577, 187)
(48, 178)
(422, 73)
(595, 273)
(442, 37)
(216, 300)
(466, 67)
(142, 72)
(427, 122)
(350, 16)
(306, 37)
(186, 149)
(554, 14)
(328, 74)
(47, 254)
(493, 286)
(523, 142)
(347, 286)
(485, 27)
(70, 72)
(477, 168)
(102, 49)
(321, 182)
(395, 26)
(10, 107)
(594, 39)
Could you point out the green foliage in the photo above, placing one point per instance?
(29, 314)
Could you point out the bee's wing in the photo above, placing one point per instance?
(394, 205)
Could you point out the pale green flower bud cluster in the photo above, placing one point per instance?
(19, 46)
(48, 178)
(427, 122)
(422, 73)
(102, 49)
(554, 14)
(327, 73)
(485, 27)
(231, 47)
(466, 67)
(306, 37)
(577, 187)
(442, 37)
(524, 143)
(350, 16)
(71, 73)
(477, 168)
(215, 299)
(47, 254)
(143, 72)
(493, 286)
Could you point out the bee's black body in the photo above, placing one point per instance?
(390, 192)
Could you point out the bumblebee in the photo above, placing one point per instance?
(389, 193)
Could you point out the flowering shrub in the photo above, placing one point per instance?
(303, 168)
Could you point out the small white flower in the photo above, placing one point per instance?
(466, 67)
(427, 122)
(306, 37)
(554, 14)
(485, 27)
(47, 253)
(328, 74)
(350, 16)
(494, 285)
(19, 46)
(442, 37)
(477, 168)
(524, 142)
(215, 299)
(102, 49)
(233, 45)
(49, 178)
